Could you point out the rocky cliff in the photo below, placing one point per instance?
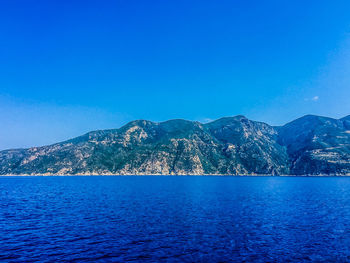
(228, 146)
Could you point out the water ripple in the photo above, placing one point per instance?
(174, 219)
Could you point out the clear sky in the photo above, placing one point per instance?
(68, 67)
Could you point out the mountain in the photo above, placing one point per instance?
(228, 146)
(317, 145)
(346, 121)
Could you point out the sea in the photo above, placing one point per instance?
(174, 219)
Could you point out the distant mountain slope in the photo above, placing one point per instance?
(231, 145)
(317, 145)
(346, 121)
(250, 145)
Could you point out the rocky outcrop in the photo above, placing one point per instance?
(228, 146)
(317, 145)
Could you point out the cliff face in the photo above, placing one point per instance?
(317, 145)
(233, 145)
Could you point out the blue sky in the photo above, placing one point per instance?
(68, 67)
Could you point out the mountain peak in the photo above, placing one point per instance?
(227, 120)
(346, 118)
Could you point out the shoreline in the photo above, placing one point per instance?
(175, 175)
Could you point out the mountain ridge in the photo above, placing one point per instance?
(310, 145)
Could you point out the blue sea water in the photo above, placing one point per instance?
(174, 219)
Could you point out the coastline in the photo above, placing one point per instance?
(179, 175)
